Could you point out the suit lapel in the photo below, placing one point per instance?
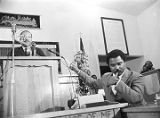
(22, 52)
(126, 75)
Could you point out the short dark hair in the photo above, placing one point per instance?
(115, 53)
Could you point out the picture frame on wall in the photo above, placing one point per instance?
(114, 34)
(21, 20)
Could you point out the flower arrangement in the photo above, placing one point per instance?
(81, 59)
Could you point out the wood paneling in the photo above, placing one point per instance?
(34, 87)
(146, 111)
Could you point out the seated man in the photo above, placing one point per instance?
(28, 47)
(148, 66)
(120, 85)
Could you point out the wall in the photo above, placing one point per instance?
(149, 25)
(62, 21)
(136, 64)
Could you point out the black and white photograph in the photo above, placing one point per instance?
(79, 59)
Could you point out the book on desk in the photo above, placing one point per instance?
(93, 101)
(105, 102)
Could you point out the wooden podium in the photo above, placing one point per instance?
(34, 89)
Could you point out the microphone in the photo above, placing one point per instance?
(54, 52)
(14, 27)
(33, 44)
(68, 64)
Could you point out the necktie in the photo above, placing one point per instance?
(113, 88)
(27, 53)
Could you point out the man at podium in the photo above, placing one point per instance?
(28, 47)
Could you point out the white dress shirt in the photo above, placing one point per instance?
(113, 86)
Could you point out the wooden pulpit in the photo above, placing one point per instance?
(29, 87)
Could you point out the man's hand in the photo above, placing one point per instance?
(112, 80)
(74, 67)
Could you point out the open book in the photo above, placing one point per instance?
(93, 101)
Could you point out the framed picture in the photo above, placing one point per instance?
(21, 20)
(114, 34)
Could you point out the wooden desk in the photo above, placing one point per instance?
(146, 111)
(109, 111)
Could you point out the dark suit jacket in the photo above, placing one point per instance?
(20, 52)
